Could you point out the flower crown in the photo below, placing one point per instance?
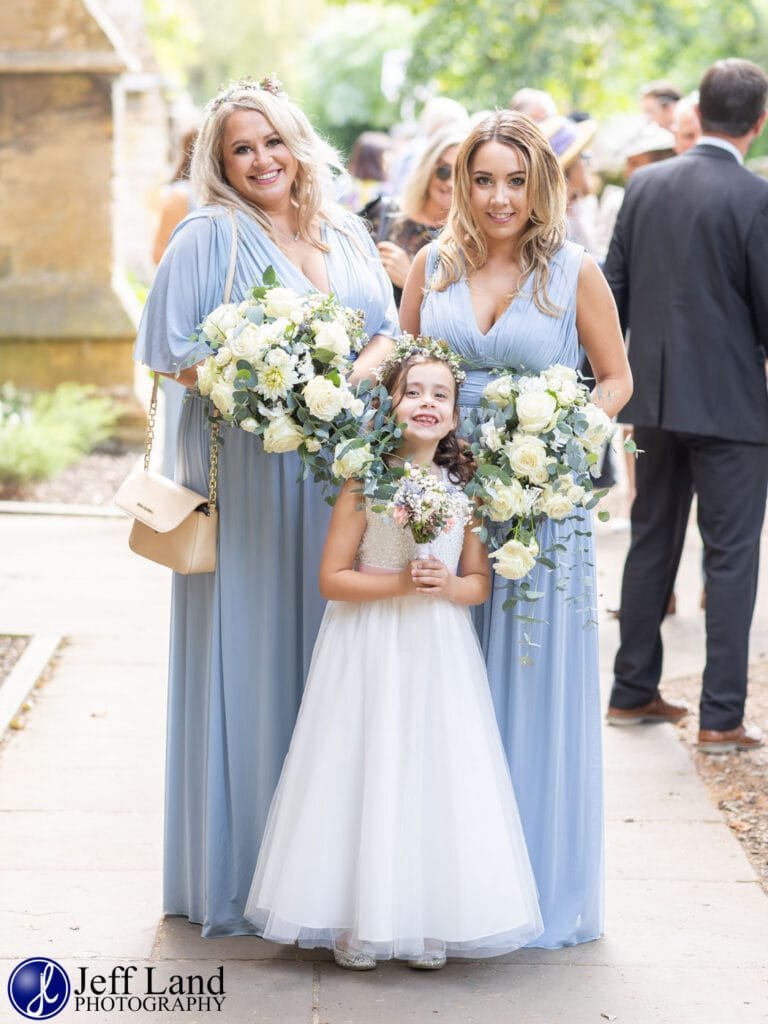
(430, 348)
(270, 84)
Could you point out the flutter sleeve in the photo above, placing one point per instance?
(187, 286)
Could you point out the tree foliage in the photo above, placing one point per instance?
(589, 54)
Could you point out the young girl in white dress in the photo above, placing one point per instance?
(394, 830)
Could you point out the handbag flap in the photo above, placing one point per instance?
(156, 501)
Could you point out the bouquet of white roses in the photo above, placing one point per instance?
(278, 366)
(537, 451)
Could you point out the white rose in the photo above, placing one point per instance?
(356, 406)
(222, 397)
(555, 504)
(499, 390)
(220, 321)
(506, 501)
(223, 355)
(284, 302)
(515, 559)
(528, 457)
(229, 374)
(536, 412)
(565, 383)
(353, 463)
(249, 424)
(599, 429)
(249, 344)
(282, 435)
(207, 376)
(312, 444)
(333, 337)
(492, 439)
(323, 398)
(576, 493)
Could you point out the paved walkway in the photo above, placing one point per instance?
(80, 819)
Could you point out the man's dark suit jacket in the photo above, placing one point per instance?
(688, 267)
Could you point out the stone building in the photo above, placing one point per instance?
(71, 83)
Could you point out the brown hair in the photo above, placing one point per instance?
(452, 453)
(732, 97)
(462, 247)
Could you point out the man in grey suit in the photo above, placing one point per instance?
(688, 266)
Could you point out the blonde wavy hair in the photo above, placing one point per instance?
(416, 187)
(462, 246)
(312, 193)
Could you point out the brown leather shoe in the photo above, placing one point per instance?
(656, 710)
(745, 737)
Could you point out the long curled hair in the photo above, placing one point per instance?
(452, 453)
(462, 246)
(312, 192)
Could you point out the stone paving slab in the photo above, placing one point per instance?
(80, 798)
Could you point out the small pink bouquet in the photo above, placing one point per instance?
(424, 504)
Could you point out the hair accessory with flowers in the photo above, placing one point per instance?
(429, 348)
(270, 83)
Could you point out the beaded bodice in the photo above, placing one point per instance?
(386, 545)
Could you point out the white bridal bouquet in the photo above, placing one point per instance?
(278, 369)
(537, 450)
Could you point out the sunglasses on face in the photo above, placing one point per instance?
(443, 172)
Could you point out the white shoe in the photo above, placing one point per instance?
(354, 959)
(428, 961)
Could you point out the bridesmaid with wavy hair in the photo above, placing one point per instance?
(507, 290)
(242, 637)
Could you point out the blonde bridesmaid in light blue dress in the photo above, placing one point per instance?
(507, 180)
(242, 637)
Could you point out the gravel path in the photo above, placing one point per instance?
(91, 481)
(737, 783)
(11, 649)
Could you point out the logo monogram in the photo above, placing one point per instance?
(39, 988)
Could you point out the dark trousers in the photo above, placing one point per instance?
(730, 480)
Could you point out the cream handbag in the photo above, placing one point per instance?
(174, 525)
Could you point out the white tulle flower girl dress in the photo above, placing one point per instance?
(394, 825)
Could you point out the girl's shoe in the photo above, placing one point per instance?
(354, 959)
(428, 961)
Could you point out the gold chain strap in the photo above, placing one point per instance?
(150, 438)
(213, 472)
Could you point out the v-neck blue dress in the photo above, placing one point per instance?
(242, 637)
(548, 712)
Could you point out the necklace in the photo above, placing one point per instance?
(286, 236)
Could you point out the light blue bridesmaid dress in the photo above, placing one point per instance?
(242, 637)
(548, 713)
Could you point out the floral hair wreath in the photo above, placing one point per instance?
(429, 348)
(270, 84)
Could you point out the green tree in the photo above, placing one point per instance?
(591, 54)
(341, 79)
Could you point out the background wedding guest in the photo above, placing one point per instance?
(439, 113)
(569, 139)
(685, 124)
(242, 637)
(687, 268)
(367, 169)
(401, 228)
(657, 101)
(534, 103)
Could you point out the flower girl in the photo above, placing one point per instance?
(394, 830)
